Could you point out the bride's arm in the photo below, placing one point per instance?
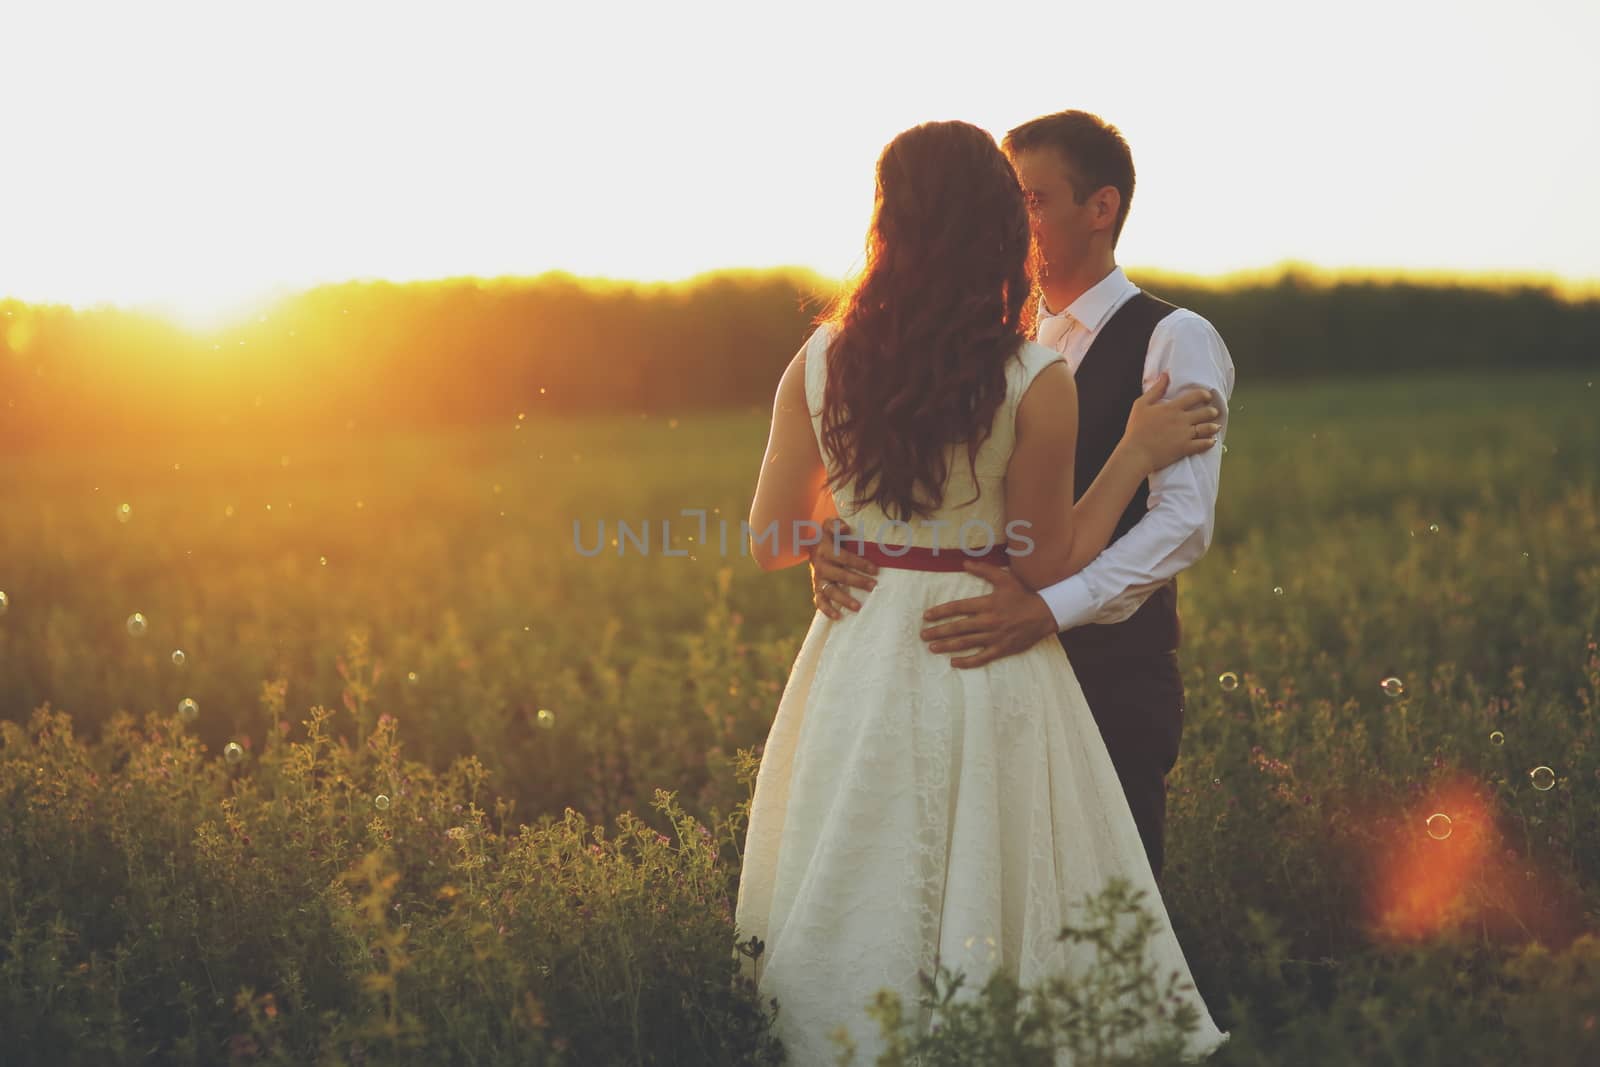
(1095, 515)
(1159, 432)
(791, 497)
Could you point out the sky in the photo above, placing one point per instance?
(200, 157)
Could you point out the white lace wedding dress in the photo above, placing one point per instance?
(906, 810)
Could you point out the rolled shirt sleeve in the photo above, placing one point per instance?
(1180, 519)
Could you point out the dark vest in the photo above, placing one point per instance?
(1109, 380)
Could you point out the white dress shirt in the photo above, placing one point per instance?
(1176, 528)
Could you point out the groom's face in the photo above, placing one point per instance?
(1060, 224)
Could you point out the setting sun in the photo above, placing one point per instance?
(194, 157)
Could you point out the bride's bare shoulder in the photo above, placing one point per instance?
(1033, 357)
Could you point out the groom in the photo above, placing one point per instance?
(1118, 617)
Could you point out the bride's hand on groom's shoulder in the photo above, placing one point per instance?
(1011, 619)
(1163, 431)
(835, 571)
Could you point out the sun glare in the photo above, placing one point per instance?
(208, 313)
(171, 161)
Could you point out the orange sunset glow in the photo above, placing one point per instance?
(492, 503)
(201, 161)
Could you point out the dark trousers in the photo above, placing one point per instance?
(1137, 700)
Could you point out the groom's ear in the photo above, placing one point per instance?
(1106, 202)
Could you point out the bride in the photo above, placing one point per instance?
(906, 813)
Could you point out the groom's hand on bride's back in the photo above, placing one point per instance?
(835, 571)
(1001, 623)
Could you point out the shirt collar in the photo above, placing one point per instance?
(1096, 302)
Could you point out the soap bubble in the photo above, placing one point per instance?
(1542, 778)
(188, 710)
(1497, 738)
(1438, 826)
(1228, 680)
(1277, 590)
(177, 657)
(124, 513)
(546, 718)
(380, 802)
(988, 943)
(1392, 687)
(136, 624)
(5, 603)
(411, 676)
(233, 753)
(1433, 527)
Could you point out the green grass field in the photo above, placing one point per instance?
(424, 594)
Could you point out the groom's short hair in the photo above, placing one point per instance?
(1094, 151)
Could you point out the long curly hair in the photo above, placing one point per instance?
(917, 360)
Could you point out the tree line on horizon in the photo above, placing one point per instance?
(455, 352)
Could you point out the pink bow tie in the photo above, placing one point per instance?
(1054, 330)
